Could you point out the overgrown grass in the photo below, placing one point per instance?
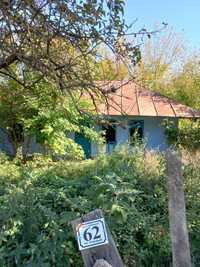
(38, 201)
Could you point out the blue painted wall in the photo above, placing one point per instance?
(153, 133)
(5, 144)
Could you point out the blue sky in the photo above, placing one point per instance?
(182, 15)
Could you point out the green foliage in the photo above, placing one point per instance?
(191, 173)
(38, 201)
(109, 70)
(171, 131)
(186, 136)
(185, 85)
(45, 113)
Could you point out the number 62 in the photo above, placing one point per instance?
(91, 233)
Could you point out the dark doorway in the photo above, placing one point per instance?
(85, 143)
(110, 137)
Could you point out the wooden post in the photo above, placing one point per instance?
(177, 212)
(102, 263)
(100, 256)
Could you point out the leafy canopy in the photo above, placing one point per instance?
(46, 114)
(49, 57)
(57, 39)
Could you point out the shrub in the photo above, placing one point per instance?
(186, 136)
(37, 205)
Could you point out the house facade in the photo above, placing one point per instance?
(124, 129)
(131, 108)
(121, 130)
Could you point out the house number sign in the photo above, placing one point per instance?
(91, 234)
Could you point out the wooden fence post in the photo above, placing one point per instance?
(177, 213)
(100, 256)
(102, 263)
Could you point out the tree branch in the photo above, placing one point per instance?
(6, 62)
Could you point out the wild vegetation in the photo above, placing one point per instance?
(50, 57)
(38, 200)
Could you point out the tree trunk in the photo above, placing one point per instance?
(25, 148)
(10, 144)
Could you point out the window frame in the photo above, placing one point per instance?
(131, 124)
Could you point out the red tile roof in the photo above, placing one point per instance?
(128, 98)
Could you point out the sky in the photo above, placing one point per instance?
(182, 15)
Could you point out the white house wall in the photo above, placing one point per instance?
(153, 133)
(95, 149)
(5, 144)
(122, 133)
(122, 136)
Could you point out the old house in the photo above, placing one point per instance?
(131, 108)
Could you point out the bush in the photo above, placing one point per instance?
(38, 201)
(186, 136)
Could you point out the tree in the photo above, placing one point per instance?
(44, 113)
(109, 69)
(31, 30)
(161, 57)
(184, 87)
(49, 56)
(186, 83)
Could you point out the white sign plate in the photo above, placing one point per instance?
(91, 234)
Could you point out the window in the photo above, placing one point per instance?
(136, 131)
(109, 133)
